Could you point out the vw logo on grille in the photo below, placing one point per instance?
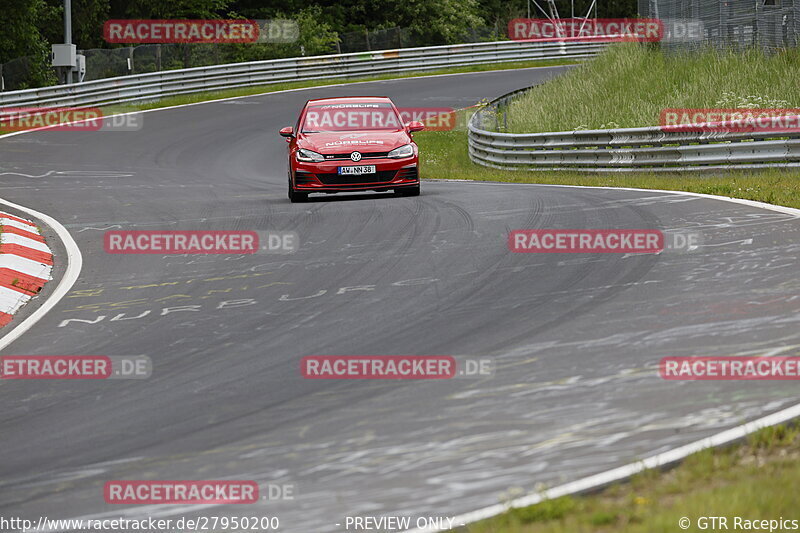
(355, 156)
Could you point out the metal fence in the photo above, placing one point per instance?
(360, 41)
(104, 63)
(769, 24)
(157, 85)
(652, 149)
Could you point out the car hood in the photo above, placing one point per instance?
(346, 142)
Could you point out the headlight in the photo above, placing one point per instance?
(309, 156)
(404, 151)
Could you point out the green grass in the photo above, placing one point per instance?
(629, 84)
(754, 480)
(444, 155)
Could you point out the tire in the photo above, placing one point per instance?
(409, 191)
(296, 197)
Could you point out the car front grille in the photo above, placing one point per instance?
(364, 155)
(382, 176)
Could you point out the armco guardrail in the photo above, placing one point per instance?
(157, 85)
(628, 149)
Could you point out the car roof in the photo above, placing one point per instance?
(349, 99)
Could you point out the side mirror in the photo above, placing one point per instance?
(415, 126)
(287, 132)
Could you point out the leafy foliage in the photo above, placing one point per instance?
(21, 37)
(30, 26)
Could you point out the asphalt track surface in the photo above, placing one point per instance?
(576, 338)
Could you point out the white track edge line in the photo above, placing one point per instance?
(752, 203)
(73, 270)
(616, 474)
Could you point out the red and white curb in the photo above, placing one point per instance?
(26, 264)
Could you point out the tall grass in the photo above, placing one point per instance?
(629, 84)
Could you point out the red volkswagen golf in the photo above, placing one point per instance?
(351, 144)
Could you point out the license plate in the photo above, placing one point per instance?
(357, 170)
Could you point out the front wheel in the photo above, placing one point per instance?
(409, 191)
(296, 197)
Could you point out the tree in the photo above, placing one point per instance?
(21, 38)
(175, 9)
(88, 17)
(316, 36)
(437, 21)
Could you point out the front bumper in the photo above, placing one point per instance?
(324, 177)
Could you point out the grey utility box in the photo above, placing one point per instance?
(64, 55)
(81, 66)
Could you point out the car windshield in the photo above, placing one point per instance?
(351, 116)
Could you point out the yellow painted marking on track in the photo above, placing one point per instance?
(85, 293)
(184, 298)
(229, 289)
(275, 283)
(96, 291)
(109, 305)
(172, 296)
(150, 285)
